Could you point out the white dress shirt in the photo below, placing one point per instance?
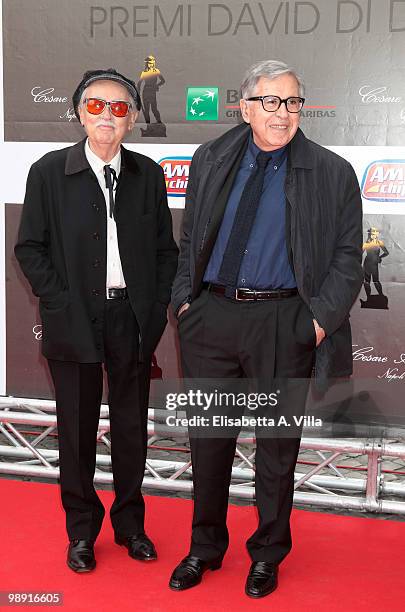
(115, 277)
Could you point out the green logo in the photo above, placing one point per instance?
(202, 104)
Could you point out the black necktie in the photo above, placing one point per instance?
(110, 182)
(243, 223)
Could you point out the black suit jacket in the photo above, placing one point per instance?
(62, 250)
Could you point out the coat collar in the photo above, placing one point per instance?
(299, 151)
(76, 160)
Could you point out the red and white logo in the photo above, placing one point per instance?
(384, 181)
(176, 171)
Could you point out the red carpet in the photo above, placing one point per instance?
(337, 563)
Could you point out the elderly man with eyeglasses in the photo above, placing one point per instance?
(95, 242)
(269, 267)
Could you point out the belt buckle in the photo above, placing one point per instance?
(116, 293)
(245, 299)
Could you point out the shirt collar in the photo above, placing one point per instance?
(277, 155)
(97, 164)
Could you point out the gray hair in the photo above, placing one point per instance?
(268, 69)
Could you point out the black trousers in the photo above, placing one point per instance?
(78, 391)
(221, 338)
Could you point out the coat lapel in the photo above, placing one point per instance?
(128, 181)
(222, 184)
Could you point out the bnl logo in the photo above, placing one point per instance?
(202, 104)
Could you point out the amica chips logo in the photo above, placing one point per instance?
(176, 171)
(384, 181)
(202, 104)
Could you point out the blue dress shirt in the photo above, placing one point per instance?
(265, 264)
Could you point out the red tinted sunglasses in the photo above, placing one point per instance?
(119, 108)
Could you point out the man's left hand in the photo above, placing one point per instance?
(320, 332)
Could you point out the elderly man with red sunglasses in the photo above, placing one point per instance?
(96, 244)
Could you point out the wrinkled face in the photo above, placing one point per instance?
(105, 129)
(274, 130)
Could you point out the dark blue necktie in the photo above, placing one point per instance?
(110, 182)
(243, 223)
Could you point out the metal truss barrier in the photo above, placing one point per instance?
(322, 486)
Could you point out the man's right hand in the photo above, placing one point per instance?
(183, 309)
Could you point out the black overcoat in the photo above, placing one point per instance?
(62, 250)
(323, 233)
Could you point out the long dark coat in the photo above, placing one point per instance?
(62, 250)
(323, 233)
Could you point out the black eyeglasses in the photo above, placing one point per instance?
(119, 108)
(273, 103)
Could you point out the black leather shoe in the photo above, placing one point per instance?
(139, 546)
(262, 579)
(190, 571)
(80, 556)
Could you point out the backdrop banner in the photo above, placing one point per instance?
(188, 60)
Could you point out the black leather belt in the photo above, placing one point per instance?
(117, 294)
(251, 295)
